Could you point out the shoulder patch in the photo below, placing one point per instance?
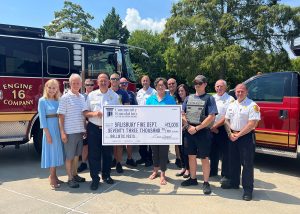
(231, 101)
(256, 108)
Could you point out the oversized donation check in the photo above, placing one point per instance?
(141, 125)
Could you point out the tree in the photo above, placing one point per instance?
(73, 19)
(225, 37)
(296, 64)
(112, 28)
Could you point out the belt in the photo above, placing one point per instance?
(51, 115)
(99, 127)
(234, 132)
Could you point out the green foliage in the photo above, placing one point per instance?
(112, 28)
(229, 39)
(73, 19)
(295, 64)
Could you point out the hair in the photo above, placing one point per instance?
(145, 76)
(88, 80)
(224, 82)
(51, 82)
(115, 74)
(73, 76)
(158, 79)
(186, 89)
(103, 72)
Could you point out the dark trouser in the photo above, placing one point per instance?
(219, 151)
(145, 152)
(160, 156)
(183, 156)
(97, 152)
(241, 153)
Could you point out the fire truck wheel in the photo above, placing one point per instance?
(37, 140)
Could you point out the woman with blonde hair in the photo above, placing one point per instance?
(52, 148)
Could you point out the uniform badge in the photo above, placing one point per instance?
(256, 108)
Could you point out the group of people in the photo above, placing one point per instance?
(214, 128)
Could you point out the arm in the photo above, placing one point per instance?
(61, 119)
(89, 114)
(248, 128)
(43, 120)
(193, 129)
(215, 127)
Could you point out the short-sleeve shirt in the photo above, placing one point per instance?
(70, 105)
(123, 96)
(96, 100)
(167, 100)
(132, 98)
(222, 103)
(240, 113)
(143, 95)
(210, 108)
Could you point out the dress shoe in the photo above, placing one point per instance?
(94, 185)
(229, 186)
(247, 196)
(179, 174)
(108, 180)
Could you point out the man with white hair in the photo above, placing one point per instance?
(71, 124)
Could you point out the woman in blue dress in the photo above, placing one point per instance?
(52, 148)
(160, 152)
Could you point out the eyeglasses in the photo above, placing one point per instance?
(198, 83)
(89, 84)
(115, 79)
(124, 83)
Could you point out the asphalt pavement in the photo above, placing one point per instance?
(24, 188)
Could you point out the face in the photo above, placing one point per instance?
(172, 85)
(123, 83)
(145, 82)
(115, 80)
(241, 92)
(89, 86)
(220, 87)
(75, 84)
(160, 87)
(103, 82)
(182, 93)
(52, 90)
(200, 87)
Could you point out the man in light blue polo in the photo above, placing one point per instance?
(71, 124)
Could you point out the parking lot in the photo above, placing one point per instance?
(24, 188)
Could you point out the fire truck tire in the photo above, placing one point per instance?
(37, 140)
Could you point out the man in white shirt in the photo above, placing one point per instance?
(142, 96)
(93, 111)
(219, 148)
(71, 124)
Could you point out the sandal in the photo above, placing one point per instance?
(181, 173)
(163, 181)
(59, 181)
(153, 175)
(55, 186)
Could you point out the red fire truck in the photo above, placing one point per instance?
(28, 59)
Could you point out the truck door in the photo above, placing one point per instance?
(271, 92)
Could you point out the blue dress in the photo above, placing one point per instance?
(52, 154)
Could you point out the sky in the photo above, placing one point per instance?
(136, 14)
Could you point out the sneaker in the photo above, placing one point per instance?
(178, 163)
(108, 180)
(206, 188)
(113, 163)
(73, 184)
(79, 179)
(140, 161)
(82, 167)
(94, 185)
(119, 168)
(131, 162)
(190, 182)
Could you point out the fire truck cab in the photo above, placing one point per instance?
(28, 59)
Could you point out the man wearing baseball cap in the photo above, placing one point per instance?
(200, 110)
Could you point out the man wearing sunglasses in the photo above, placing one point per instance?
(89, 87)
(124, 99)
(200, 109)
